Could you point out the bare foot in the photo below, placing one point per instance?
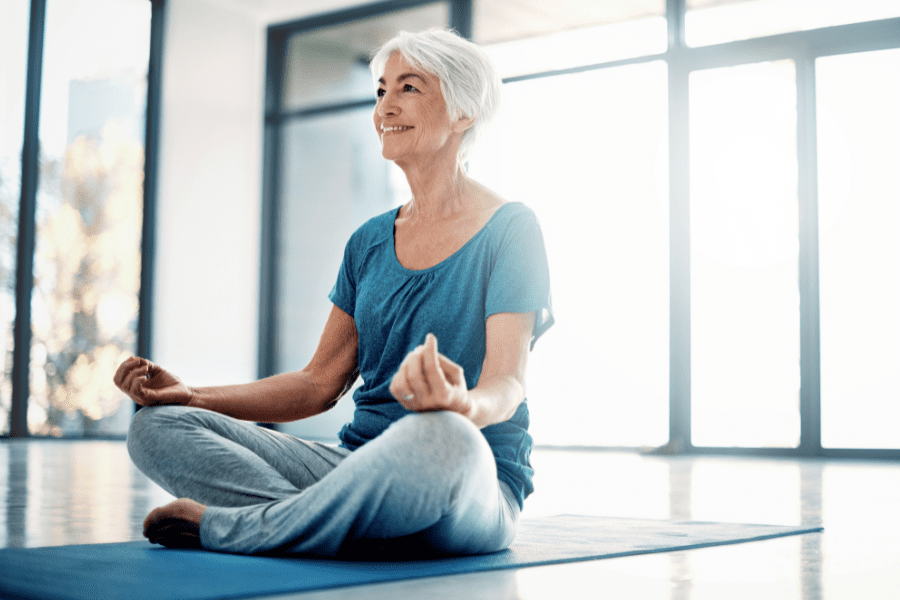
(175, 525)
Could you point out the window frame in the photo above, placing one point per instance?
(803, 47)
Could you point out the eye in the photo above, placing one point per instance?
(408, 88)
(380, 92)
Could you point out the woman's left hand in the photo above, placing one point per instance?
(429, 381)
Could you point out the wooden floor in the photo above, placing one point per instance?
(70, 492)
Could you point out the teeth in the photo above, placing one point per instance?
(400, 128)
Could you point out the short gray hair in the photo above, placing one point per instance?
(469, 83)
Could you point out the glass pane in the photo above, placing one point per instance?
(745, 317)
(533, 36)
(718, 21)
(333, 180)
(331, 65)
(87, 257)
(13, 62)
(595, 174)
(858, 96)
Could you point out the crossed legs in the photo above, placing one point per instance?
(429, 481)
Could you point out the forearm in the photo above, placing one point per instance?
(277, 399)
(495, 400)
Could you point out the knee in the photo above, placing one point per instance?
(450, 437)
(146, 426)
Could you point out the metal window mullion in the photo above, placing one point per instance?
(675, 10)
(679, 234)
(151, 171)
(276, 59)
(18, 426)
(808, 266)
(808, 277)
(461, 17)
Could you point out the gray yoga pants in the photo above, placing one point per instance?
(427, 484)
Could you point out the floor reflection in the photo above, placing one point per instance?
(75, 492)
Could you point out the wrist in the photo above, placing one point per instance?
(470, 406)
(196, 398)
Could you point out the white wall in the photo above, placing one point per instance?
(208, 206)
(206, 295)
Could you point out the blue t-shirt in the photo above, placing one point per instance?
(502, 269)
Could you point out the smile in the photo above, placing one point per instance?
(398, 128)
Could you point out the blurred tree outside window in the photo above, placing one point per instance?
(89, 208)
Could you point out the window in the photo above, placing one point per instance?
(525, 37)
(88, 210)
(700, 206)
(591, 164)
(859, 216)
(718, 21)
(745, 317)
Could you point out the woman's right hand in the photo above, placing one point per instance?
(149, 384)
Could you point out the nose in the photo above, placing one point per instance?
(387, 105)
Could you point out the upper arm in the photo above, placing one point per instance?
(333, 367)
(508, 340)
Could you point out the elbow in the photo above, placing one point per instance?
(348, 385)
(516, 394)
(517, 384)
(504, 396)
(319, 390)
(519, 397)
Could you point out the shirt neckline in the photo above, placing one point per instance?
(396, 261)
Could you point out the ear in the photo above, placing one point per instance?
(463, 123)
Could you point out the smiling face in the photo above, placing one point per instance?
(411, 115)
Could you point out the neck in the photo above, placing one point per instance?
(439, 188)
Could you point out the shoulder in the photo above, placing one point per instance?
(517, 210)
(516, 236)
(376, 230)
(512, 217)
(505, 213)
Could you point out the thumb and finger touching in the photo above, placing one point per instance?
(432, 366)
(148, 384)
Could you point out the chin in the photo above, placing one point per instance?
(390, 154)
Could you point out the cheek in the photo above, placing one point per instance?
(438, 122)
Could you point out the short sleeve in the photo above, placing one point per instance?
(520, 277)
(343, 294)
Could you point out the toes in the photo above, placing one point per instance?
(175, 525)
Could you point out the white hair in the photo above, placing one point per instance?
(469, 83)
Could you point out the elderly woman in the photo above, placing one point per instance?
(437, 455)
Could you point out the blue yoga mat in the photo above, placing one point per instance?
(140, 570)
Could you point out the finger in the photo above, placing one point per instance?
(128, 384)
(399, 385)
(135, 379)
(415, 374)
(123, 370)
(453, 372)
(136, 390)
(153, 369)
(142, 394)
(431, 368)
(119, 375)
